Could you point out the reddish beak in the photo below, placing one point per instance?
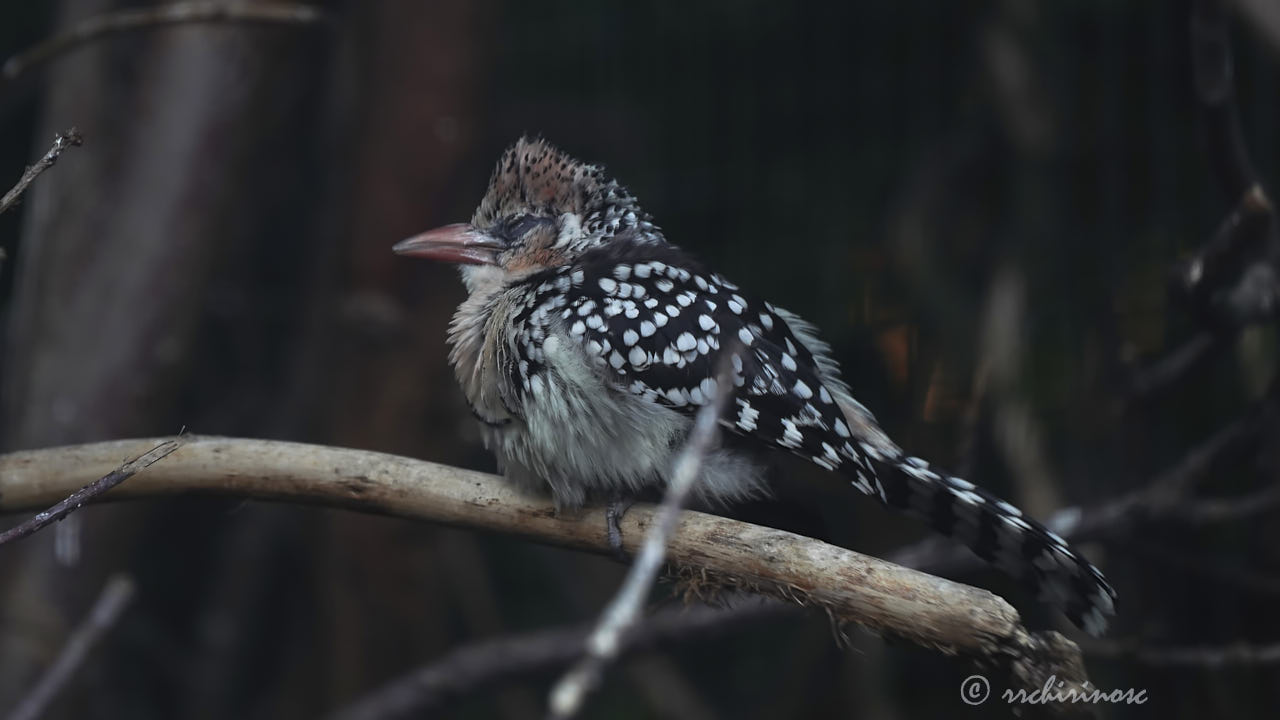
(458, 243)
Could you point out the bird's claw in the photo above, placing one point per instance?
(613, 513)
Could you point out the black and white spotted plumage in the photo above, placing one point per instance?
(589, 341)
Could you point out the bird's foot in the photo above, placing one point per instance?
(613, 513)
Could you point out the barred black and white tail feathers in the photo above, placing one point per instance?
(998, 533)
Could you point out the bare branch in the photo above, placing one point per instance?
(1213, 70)
(63, 141)
(1265, 15)
(1164, 497)
(1168, 491)
(142, 18)
(87, 493)
(1173, 367)
(474, 667)
(622, 613)
(718, 553)
(1210, 657)
(1225, 304)
(1208, 511)
(1242, 231)
(111, 604)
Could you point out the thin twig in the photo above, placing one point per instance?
(1164, 497)
(622, 613)
(1221, 571)
(1173, 367)
(1265, 17)
(90, 491)
(1209, 511)
(1164, 494)
(1213, 70)
(111, 604)
(158, 16)
(1209, 657)
(1247, 230)
(474, 667)
(1242, 232)
(61, 142)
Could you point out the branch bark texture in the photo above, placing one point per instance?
(711, 553)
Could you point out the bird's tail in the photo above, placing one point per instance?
(996, 531)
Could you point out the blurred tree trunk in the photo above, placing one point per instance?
(132, 313)
(382, 381)
(219, 259)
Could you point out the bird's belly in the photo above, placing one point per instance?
(579, 437)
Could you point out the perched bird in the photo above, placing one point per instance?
(587, 342)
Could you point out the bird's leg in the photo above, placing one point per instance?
(617, 507)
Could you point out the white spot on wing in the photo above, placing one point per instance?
(791, 436)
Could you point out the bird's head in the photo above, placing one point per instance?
(543, 209)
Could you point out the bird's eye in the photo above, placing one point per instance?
(519, 226)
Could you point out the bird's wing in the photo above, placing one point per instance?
(657, 329)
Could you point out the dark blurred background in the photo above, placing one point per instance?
(978, 202)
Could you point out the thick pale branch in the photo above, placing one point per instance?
(710, 552)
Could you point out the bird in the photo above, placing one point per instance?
(587, 342)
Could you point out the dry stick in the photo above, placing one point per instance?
(1213, 657)
(114, 600)
(1173, 367)
(1242, 232)
(61, 142)
(622, 613)
(468, 669)
(138, 19)
(1265, 15)
(1219, 572)
(1213, 70)
(1252, 219)
(1164, 497)
(89, 492)
(719, 553)
(1209, 511)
